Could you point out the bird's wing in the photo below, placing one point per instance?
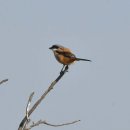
(66, 54)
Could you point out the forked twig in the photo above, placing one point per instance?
(25, 119)
(27, 109)
(49, 124)
(28, 104)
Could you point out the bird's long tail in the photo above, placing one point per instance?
(78, 59)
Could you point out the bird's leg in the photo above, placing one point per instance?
(62, 69)
(66, 68)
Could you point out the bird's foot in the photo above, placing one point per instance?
(61, 72)
(64, 70)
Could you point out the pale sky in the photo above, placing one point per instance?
(97, 93)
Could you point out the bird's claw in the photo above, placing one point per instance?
(63, 71)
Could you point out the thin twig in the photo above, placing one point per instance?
(28, 104)
(49, 124)
(23, 122)
(3, 81)
(27, 109)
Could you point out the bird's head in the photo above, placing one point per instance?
(55, 47)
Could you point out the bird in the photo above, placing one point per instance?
(65, 56)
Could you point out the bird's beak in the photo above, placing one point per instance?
(50, 48)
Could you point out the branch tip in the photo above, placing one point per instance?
(3, 81)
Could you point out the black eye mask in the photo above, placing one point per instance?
(54, 47)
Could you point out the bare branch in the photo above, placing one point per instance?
(49, 124)
(23, 122)
(3, 81)
(27, 109)
(28, 104)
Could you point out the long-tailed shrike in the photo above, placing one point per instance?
(65, 56)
